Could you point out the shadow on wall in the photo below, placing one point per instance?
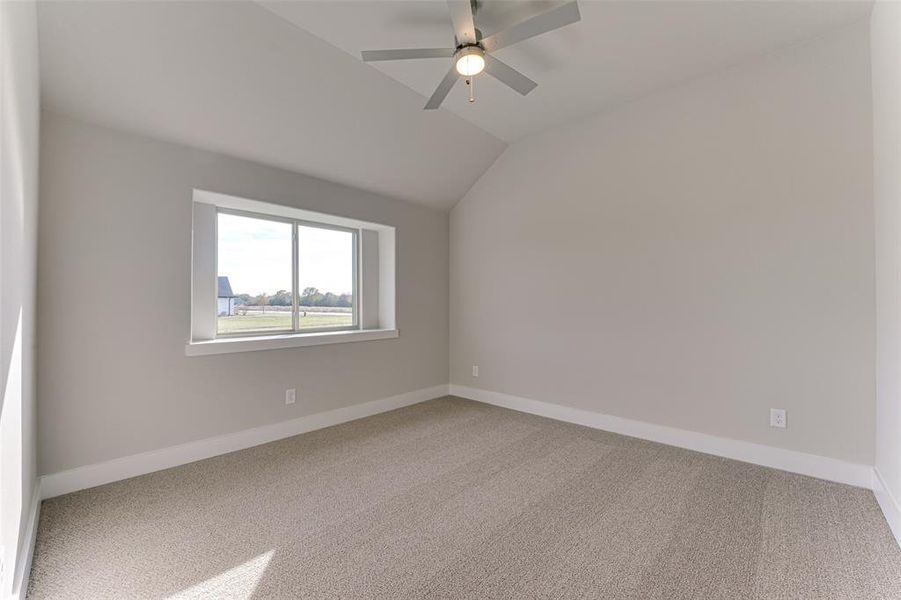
(19, 114)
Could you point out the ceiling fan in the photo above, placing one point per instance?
(472, 53)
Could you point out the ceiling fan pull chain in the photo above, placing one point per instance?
(471, 83)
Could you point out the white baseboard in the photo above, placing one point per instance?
(787, 460)
(26, 548)
(831, 469)
(889, 504)
(89, 476)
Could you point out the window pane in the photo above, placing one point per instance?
(255, 275)
(325, 277)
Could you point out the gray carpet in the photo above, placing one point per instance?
(454, 499)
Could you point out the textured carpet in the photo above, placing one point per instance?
(454, 499)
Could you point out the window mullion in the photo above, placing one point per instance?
(355, 292)
(295, 265)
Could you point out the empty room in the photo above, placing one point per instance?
(458, 299)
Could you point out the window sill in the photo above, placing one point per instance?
(292, 340)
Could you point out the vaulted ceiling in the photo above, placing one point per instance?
(619, 51)
(281, 82)
(234, 78)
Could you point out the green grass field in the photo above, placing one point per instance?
(280, 321)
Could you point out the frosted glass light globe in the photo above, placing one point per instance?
(470, 61)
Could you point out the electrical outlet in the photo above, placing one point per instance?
(475, 370)
(290, 396)
(777, 417)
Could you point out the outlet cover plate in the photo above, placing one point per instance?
(777, 418)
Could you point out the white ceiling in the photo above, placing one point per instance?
(280, 82)
(234, 78)
(619, 51)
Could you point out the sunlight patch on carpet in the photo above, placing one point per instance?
(234, 584)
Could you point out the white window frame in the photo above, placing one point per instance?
(295, 275)
(373, 281)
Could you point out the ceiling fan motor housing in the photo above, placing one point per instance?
(478, 43)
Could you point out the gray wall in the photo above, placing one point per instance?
(886, 56)
(698, 257)
(113, 301)
(19, 117)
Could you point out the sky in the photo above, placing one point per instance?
(255, 255)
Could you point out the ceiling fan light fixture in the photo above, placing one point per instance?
(470, 61)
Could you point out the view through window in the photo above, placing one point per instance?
(283, 276)
(325, 277)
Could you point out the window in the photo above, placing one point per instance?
(283, 275)
(268, 276)
(255, 280)
(327, 277)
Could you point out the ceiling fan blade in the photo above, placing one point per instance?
(461, 15)
(443, 89)
(376, 55)
(546, 21)
(508, 75)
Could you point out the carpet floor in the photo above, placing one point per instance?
(455, 499)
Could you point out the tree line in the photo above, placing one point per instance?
(310, 297)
